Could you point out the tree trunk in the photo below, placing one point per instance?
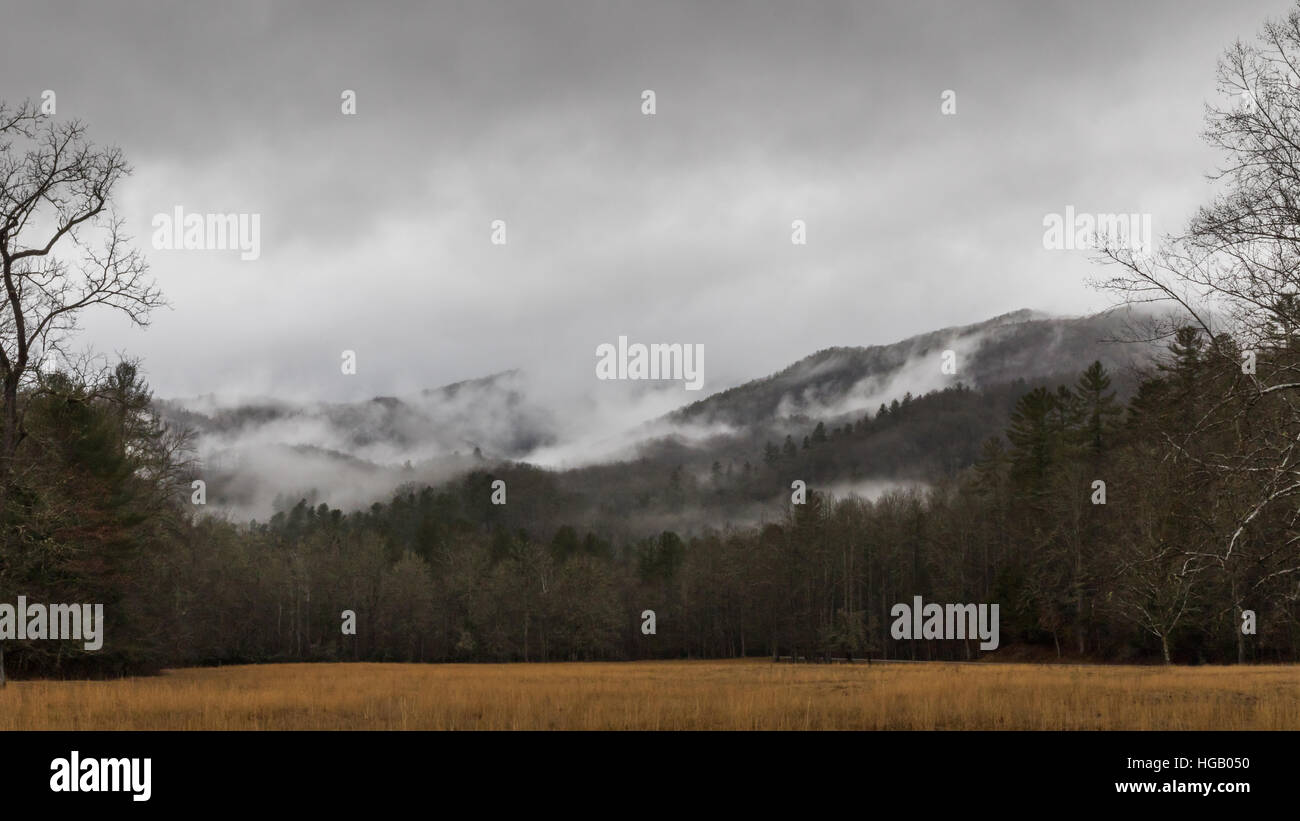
(8, 445)
(1241, 637)
(1164, 647)
(8, 440)
(1236, 627)
(1080, 629)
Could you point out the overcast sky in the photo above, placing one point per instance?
(674, 227)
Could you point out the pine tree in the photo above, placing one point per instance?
(1097, 406)
(771, 454)
(1033, 437)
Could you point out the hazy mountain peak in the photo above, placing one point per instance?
(1021, 344)
(508, 415)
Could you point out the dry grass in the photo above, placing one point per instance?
(666, 695)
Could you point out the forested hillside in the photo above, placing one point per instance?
(260, 455)
(1114, 507)
(442, 573)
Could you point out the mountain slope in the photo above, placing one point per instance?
(837, 381)
(351, 454)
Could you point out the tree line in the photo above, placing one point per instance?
(1162, 528)
(1108, 573)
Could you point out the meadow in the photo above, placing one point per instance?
(666, 695)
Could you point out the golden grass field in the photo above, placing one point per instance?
(666, 695)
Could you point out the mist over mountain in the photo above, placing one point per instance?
(839, 381)
(258, 456)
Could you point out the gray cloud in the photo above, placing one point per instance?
(666, 228)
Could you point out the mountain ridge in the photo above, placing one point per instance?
(353, 451)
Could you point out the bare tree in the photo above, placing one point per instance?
(62, 249)
(1234, 274)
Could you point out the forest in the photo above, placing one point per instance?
(443, 574)
(1153, 524)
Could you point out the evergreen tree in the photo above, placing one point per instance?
(1097, 406)
(1033, 436)
(771, 454)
